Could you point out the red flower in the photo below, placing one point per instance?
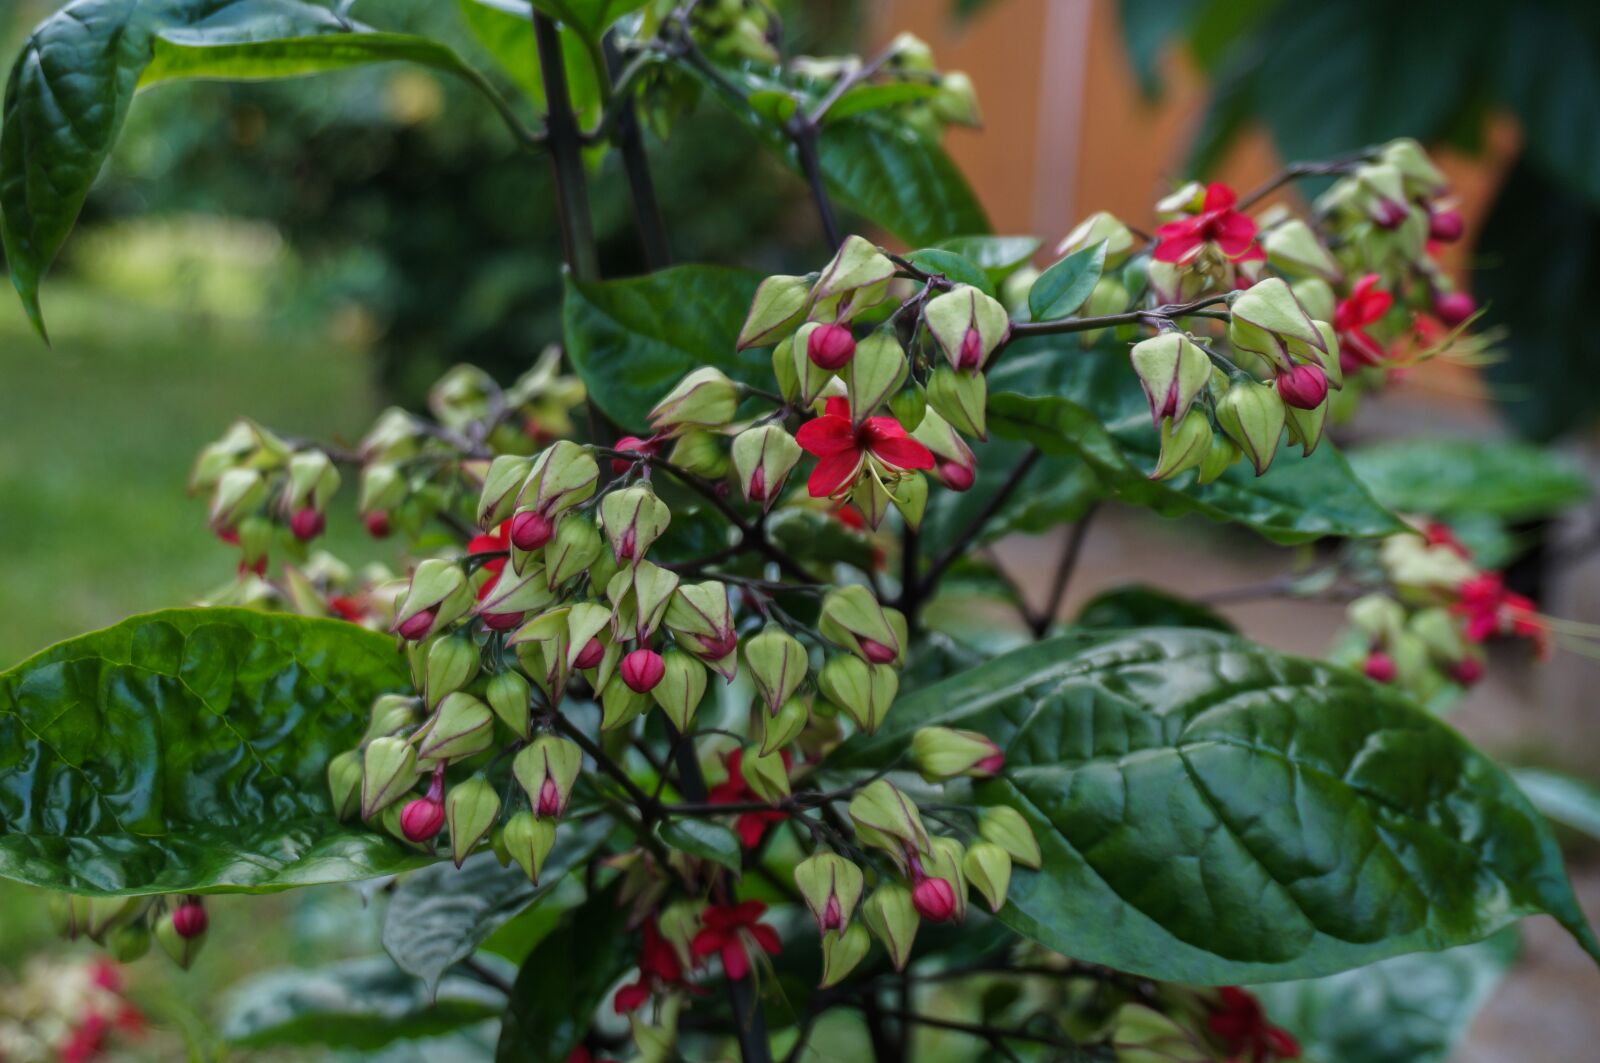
(1218, 225)
(1367, 303)
(1437, 533)
(1242, 1027)
(750, 826)
(726, 929)
(1490, 609)
(495, 542)
(658, 968)
(842, 448)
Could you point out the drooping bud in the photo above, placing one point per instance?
(886, 818)
(642, 670)
(471, 809)
(1173, 370)
(960, 398)
(945, 864)
(1421, 177)
(705, 398)
(1454, 308)
(1184, 445)
(508, 695)
(633, 445)
(377, 524)
(854, 280)
(633, 518)
(462, 395)
(344, 783)
(988, 868)
(181, 932)
(439, 595)
(501, 486)
(421, 819)
(892, 917)
(699, 617)
(1377, 616)
(237, 494)
(853, 618)
(129, 943)
(1305, 426)
(944, 753)
(778, 731)
(767, 776)
(576, 546)
(1100, 227)
(1221, 455)
(383, 488)
(830, 347)
(107, 913)
(968, 326)
(956, 465)
(934, 899)
(1294, 248)
(1005, 827)
(1265, 319)
(864, 691)
(1252, 416)
(957, 100)
(842, 951)
(1445, 225)
(452, 663)
(1305, 387)
(563, 475)
(546, 769)
(1379, 667)
(391, 713)
(778, 306)
(831, 887)
(529, 839)
(640, 597)
(530, 530)
(1381, 190)
(592, 653)
(461, 727)
(764, 456)
(909, 406)
(777, 663)
(1467, 672)
(681, 687)
(876, 373)
(620, 704)
(389, 769)
(809, 378)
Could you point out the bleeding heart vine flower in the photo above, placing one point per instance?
(843, 449)
(1365, 305)
(1218, 227)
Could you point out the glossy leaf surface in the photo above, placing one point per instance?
(1466, 477)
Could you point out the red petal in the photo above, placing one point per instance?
(767, 938)
(632, 996)
(837, 407)
(826, 435)
(1234, 233)
(876, 428)
(751, 827)
(735, 961)
(1177, 248)
(1219, 197)
(707, 941)
(833, 473)
(902, 454)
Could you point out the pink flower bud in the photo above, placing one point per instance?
(717, 647)
(1445, 226)
(830, 347)
(592, 653)
(416, 627)
(988, 767)
(956, 476)
(1379, 666)
(377, 523)
(1304, 387)
(1389, 213)
(632, 445)
(306, 524)
(971, 350)
(229, 535)
(189, 919)
(628, 545)
(502, 621)
(531, 530)
(1454, 307)
(550, 803)
(1467, 671)
(757, 491)
(642, 670)
(832, 918)
(877, 652)
(421, 819)
(934, 899)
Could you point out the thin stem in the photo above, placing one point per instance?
(804, 136)
(1064, 570)
(974, 528)
(636, 164)
(910, 561)
(565, 141)
(995, 1035)
(487, 975)
(1066, 325)
(1295, 171)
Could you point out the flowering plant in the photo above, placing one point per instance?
(663, 627)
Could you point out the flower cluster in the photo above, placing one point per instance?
(68, 1010)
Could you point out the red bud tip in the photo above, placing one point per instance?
(717, 647)
(502, 621)
(832, 917)
(877, 652)
(1454, 307)
(628, 546)
(631, 445)
(934, 899)
(971, 350)
(1467, 671)
(830, 347)
(1389, 214)
(989, 766)
(1379, 666)
(421, 819)
(549, 799)
(642, 670)
(1445, 226)
(306, 524)
(593, 653)
(956, 476)
(415, 628)
(757, 490)
(531, 530)
(229, 535)
(1304, 387)
(377, 523)
(189, 919)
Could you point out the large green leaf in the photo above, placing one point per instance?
(1139, 605)
(361, 1004)
(1214, 812)
(505, 29)
(1408, 1009)
(71, 86)
(1470, 476)
(185, 752)
(441, 914)
(632, 340)
(1068, 399)
(564, 980)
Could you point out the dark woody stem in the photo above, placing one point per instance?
(1298, 170)
(565, 142)
(804, 135)
(1068, 564)
(1152, 316)
(974, 528)
(636, 164)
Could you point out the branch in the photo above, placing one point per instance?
(565, 142)
(649, 807)
(804, 135)
(1069, 562)
(1061, 326)
(636, 164)
(1295, 171)
(995, 1035)
(975, 527)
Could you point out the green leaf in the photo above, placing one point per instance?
(998, 256)
(1470, 476)
(564, 980)
(1570, 802)
(1063, 287)
(505, 29)
(440, 915)
(185, 752)
(632, 340)
(590, 17)
(1087, 403)
(70, 88)
(707, 840)
(952, 266)
(1550, 75)
(1138, 605)
(1213, 812)
(1408, 1009)
(358, 1004)
(864, 98)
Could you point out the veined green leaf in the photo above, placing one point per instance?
(1444, 477)
(954, 266)
(1063, 287)
(704, 839)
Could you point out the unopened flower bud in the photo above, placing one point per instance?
(886, 818)
(1377, 616)
(1468, 671)
(471, 809)
(421, 819)
(957, 100)
(1184, 445)
(642, 670)
(1445, 225)
(389, 769)
(764, 456)
(508, 693)
(529, 840)
(530, 530)
(831, 887)
(853, 618)
(1379, 667)
(1420, 176)
(237, 494)
(1305, 426)
(306, 524)
(864, 691)
(452, 664)
(876, 373)
(778, 305)
(777, 663)
(1454, 308)
(767, 776)
(1304, 387)
(892, 917)
(681, 687)
(960, 398)
(842, 951)
(1173, 370)
(934, 899)
(1295, 249)
(967, 325)
(377, 524)
(344, 783)
(438, 589)
(988, 868)
(706, 397)
(700, 453)
(633, 518)
(620, 704)
(563, 475)
(1219, 457)
(546, 769)
(182, 931)
(830, 347)
(1100, 227)
(107, 913)
(632, 445)
(591, 655)
(956, 465)
(909, 406)
(810, 379)
(128, 943)
(853, 280)
(577, 546)
(779, 730)
(1266, 319)
(944, 753)
(1252, 416)
(461, 727)
(1006, 827)
(501, 485)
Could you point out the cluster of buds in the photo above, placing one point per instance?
(126, 926)
(73, 1009)
(266, 493)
